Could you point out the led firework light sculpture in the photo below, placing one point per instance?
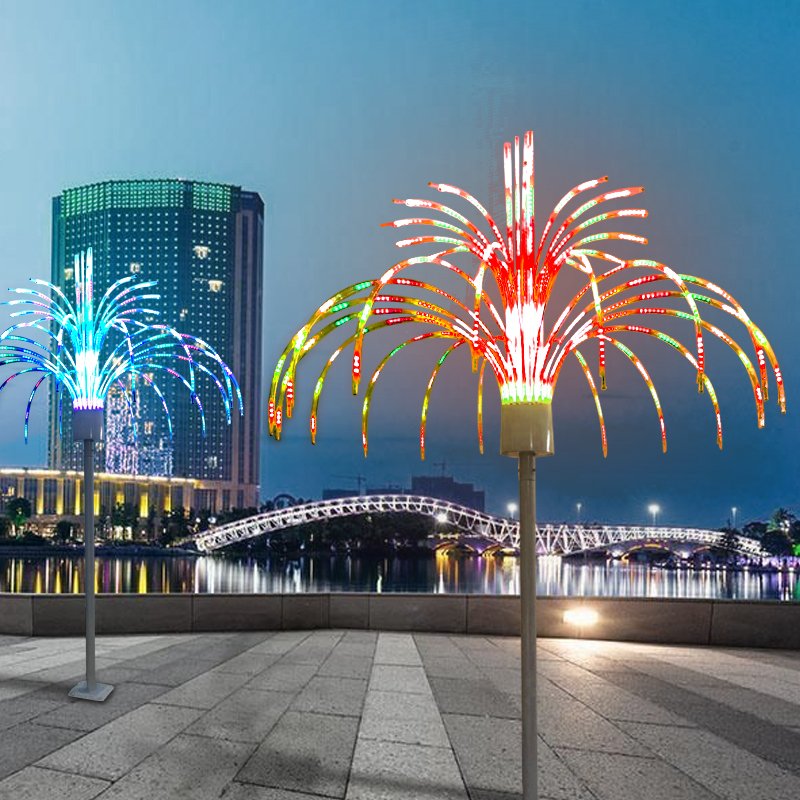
(526, 359)
(80, 357)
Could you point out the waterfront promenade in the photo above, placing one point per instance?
(363, 715)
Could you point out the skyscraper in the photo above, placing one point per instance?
(203, 243)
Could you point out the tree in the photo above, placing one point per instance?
(152, 524)
(755, 530)
(777, 543)
(726, 549)
(124, 518)
(19, 512)
(63, 530)
(176, 526)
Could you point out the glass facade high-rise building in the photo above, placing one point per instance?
(203, 243)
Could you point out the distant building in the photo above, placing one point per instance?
(335, 494)
(443, 488)
(203, 243)
(58, 494)
(446, 488)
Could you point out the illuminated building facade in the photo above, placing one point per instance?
(58, 494)
(203, 243)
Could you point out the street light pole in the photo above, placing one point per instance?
(526, 431)
(87, 426)
(578, 507)
(654, 509)
(733, 516)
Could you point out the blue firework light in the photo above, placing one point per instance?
(86, 360)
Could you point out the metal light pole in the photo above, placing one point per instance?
(526, 431)
(578, 507)
(87, 426)
(733, 516)
(654, 509)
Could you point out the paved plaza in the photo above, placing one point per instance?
(385, 716)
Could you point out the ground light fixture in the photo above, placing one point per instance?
(581, 617)
(618, 297)
(80, 356)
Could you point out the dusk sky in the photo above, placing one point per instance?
(330, 110)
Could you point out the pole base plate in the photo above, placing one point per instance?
(100, 692)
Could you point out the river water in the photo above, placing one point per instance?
(441, 574)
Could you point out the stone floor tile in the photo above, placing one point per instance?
(360, 637)
(486, 794)
(428, 731)
(248, 663)
(611, 776)
(282, 677)
(397, 648)
(360, 650)
(251, 791)
(324, 695)
(35, 783)
(391, 678)
(281, 642)
(338, 665)
(28, 742)
(245, 716)
(460, 667)
(488, 750)
(23, 707)
(395, 771)
(177, 671)
(204, 691)
(305, 753)
(82, 716)
(720, 766)
(187, 768)
(112, 750)
(472, 696)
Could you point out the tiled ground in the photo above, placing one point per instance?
(367, 716)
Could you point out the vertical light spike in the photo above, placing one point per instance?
(527, 192)
(517, 249)
(507, 168)
(602, 358)
(480, 406)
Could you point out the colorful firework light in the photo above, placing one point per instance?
(526, 360)
(80, 358)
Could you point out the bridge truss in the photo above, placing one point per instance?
(552, 539)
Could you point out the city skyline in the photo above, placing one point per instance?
(338, 112)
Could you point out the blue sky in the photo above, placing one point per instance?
(330, 110)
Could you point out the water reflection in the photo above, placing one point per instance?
(441, 575)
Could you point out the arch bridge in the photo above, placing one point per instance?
(497, 532)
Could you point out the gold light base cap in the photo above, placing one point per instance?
(526, 428)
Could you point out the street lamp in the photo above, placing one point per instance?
(510, 336)
(80, 356)
(578, 507)
(512, 507)
(733, 516)
(654, 509)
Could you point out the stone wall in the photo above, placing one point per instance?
(697, 622)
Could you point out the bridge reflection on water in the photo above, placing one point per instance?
(443, 574)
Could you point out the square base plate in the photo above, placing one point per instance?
(98, 694)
